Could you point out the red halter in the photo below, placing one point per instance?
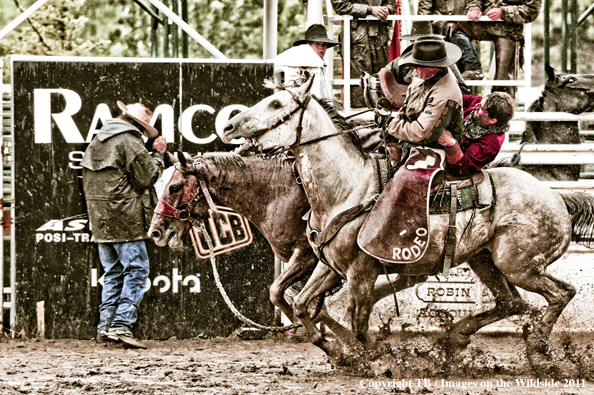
(165, 209)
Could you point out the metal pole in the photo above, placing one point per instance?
(184, 15)
(154, 40)
(17, 21)
(315, 13)
(527, 55)
(563, 36)
(2, 216)
(546, 34)
(175, 32)
(346, 61)
(270, 29)
(585, 14)
(188, 29)
(574, 17)
(166, 32)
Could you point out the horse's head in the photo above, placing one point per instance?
(567, 92)
(181, 198)
(273, 122)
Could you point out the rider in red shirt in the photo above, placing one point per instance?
(486, 120)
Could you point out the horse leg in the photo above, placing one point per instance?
(322, 280)
(508, 302)
(361, 281)
(384, 289)
(558, 294)
(298, 267)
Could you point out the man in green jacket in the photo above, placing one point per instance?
(118, 179)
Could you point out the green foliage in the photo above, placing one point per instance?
(56, 29)
(121, 28)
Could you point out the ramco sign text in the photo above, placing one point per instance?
(65, 123)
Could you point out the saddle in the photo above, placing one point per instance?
(383, 84)
(397, 230)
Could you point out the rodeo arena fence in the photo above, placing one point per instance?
(49, 267)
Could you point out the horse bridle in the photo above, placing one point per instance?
(300, 105)
(185, 213)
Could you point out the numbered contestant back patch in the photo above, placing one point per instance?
(227, 230)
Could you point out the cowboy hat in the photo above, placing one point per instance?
(419, 29)
(142, 115)
(316, 34)
(431, 51)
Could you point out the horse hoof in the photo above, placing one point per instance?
(542, 365)
(536, 341)
(455, 343)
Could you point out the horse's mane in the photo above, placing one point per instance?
(339, 121)
(225, 159)
(230, 159)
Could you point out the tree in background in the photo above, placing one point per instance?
(121, 28)
(56, 29)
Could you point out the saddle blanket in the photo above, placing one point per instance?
(397, 230)
(398, 222)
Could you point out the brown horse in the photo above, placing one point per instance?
(508, 244)
(266, 193)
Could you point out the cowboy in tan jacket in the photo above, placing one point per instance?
(433, 101)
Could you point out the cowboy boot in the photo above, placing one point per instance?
(505, 57)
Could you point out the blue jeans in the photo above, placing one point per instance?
(470, 59)
(126, 268)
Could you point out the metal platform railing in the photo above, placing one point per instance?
(346, 82)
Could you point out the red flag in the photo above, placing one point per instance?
(394, 50)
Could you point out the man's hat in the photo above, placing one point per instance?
(431, 51)
(142, 115)
(418, 29)
(316, 34)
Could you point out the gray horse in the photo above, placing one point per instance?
(508, 244)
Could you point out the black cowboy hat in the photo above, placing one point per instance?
(431, 51)
(316, 34)
(419, 29)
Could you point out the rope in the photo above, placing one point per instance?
(236, 312)
(517, 157)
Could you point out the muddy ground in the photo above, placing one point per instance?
(409, 363)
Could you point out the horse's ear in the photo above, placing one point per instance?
(182, 158)
(169, 159)
(550, 72)
(306, 87)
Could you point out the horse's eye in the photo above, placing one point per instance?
(571, 80)
(174, 189)
(275, 104)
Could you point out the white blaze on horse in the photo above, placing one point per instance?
(509, 244)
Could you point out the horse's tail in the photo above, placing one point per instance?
(581, 208)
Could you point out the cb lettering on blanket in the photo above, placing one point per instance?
(406, 253)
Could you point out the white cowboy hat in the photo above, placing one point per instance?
(142, 115)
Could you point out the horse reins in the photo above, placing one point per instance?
(302, 105)
(185, 214)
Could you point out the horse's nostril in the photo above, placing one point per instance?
(155, 234)
(228, 128)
